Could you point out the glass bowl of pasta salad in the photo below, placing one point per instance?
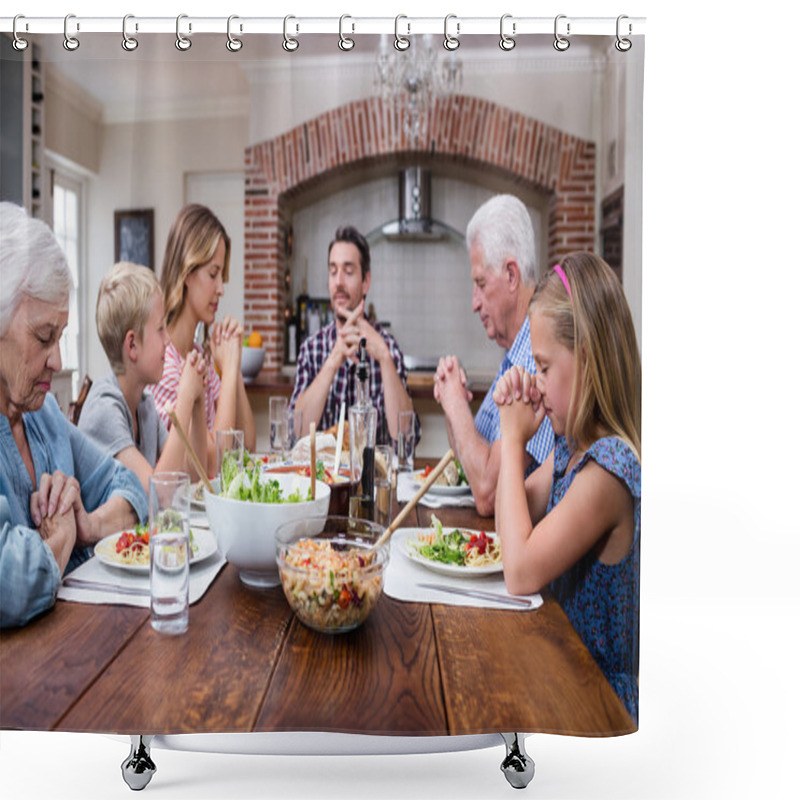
(331, 572)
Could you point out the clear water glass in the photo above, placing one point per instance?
(169, 552)
(405, 441)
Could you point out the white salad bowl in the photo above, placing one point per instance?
(245, 531)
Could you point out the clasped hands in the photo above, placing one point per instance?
(520, 404)
(348, 337)
(57, 510)
(226, 344)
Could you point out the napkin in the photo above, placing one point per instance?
(403, 577)
(406, 489)
(200, 578)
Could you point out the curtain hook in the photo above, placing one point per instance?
(19, 43)
(290, 44)
(401, 42)
(451, 42)
(181, 42)
(507, 42)
(623, 45)
(70, 42)
(129, 43)
(345, 43)
(561, 44)
(233, 44)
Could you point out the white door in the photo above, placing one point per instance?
(223, 193)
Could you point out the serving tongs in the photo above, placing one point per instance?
(426, 484)
(189, 449)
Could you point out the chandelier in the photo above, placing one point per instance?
(413, 79)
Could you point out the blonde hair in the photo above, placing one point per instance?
(124, 302)
(595, 324)
(192, 241)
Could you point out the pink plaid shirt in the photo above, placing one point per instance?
(166, 390)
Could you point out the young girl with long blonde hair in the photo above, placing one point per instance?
(574, 524)
(192, 276)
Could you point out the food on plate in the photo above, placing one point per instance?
(452, 475)
(328, 587)
(457, 547)
(323, 473)
(133, 546)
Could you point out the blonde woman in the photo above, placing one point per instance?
(193, 274)
(574, 523)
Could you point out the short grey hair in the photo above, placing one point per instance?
(502, 228)
(31, 263)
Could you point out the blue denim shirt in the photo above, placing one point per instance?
(29, 574)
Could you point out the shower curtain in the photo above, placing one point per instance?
(286, 143)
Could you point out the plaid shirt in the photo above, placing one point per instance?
(313, 352)
(166, 390)
(487, 420)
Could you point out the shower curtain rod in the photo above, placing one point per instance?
(452, 26)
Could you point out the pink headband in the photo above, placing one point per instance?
(560, 272)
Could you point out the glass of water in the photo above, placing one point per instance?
(405, 441)
(278, 427)
(169, 551)
(384, 457)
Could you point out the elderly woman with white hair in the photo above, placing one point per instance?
(59, 493)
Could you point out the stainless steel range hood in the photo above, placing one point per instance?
(414, 222)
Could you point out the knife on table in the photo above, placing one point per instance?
(519, 602)
(97, 586)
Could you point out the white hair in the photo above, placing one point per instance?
(31, 263)
(502, 229)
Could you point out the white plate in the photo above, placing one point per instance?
(453, 570)
(439, 488)
(204, 539)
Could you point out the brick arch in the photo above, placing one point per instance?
(462, 129)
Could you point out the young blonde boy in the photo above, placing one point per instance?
(118, 413)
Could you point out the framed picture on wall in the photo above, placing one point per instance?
(133, 237)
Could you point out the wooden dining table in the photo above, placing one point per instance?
(247, 664)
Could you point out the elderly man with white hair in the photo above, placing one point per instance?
(59, 493)
(502, 253)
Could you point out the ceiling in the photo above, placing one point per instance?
(208, 71)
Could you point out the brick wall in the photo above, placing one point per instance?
(364, 134)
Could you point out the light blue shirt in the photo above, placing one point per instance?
(29, 574)
(487, 420)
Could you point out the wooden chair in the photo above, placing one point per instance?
(75, 408)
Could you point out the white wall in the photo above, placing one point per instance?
(423, 290)
(144, 165)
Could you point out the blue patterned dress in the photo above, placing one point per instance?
(602, 600)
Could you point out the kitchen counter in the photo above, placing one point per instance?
(420, 384)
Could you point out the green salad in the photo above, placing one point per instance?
(447, 548)
(251, 485)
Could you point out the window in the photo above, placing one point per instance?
(68, 230)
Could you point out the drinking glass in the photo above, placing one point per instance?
(363, 424)
(230, 456)
(278, 426)
(384, 456)
(169, 551)
(405, 441)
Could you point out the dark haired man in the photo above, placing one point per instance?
(326, 364)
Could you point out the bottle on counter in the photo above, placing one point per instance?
(290, 355)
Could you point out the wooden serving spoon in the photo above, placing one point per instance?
(189, 449)
(312, 436)
(426, 484)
